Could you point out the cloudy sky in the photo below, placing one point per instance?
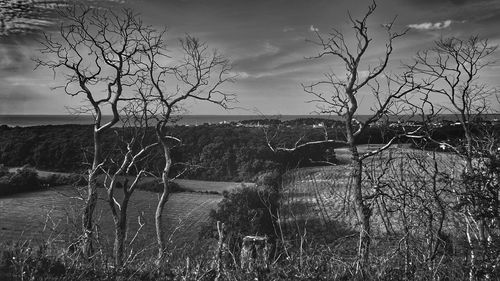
(266, 41)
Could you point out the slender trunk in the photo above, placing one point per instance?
(363, 211)
(431, 242)
(469, 142)
(472, 253)
(406, 227)
(87, 219)
(91, 200)
(408, 275)
(120, 230)
(121, 233)
(218, 256)
(469, 169)
(160, 234)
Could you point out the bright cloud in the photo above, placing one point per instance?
(270, 49)
(239, 74)
(431, 26)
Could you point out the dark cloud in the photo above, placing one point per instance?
(30, 17)
(24, 17)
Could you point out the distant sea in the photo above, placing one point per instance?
(40, 120)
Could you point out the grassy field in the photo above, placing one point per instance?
(210, 186)
(317, 198)
(53, 216)
(188, 185)
(41, 173)
(321, 199)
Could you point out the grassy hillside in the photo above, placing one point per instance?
(319, 199)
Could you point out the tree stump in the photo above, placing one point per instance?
(254, 253)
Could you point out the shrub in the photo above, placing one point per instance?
(24, 179)
(26, 262)
(4, 171)
(245, 211)
(269, 179)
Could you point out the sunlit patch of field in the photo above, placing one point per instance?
(186, 184)
(53, 216)
(192, 185)
(312, 198)
(210, 186)
(321, 198)
(41, 173)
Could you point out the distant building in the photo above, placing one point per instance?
(319, 125)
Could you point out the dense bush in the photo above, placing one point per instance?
(3, 170)
(246, 211)
(27, 179)
(60, 148)
(24, 179)
(219, 152)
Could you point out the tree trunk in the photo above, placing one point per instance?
(120, 230)
(87, 219)
(120, 234)
(160, 234)
(362, 210)
(472, 253)
(91, 200)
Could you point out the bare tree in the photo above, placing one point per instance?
(199, 76)
(341, 95)
(417, 193)
(98, 51)
(452, 69)
(125, 172)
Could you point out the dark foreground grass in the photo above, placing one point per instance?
(23, 261)
(53, 216)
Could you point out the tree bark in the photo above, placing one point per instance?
(362, 210)
(160, 234)
(91, 200)
(87, 219)
(121, 233)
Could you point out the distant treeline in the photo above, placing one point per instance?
(212, 152)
